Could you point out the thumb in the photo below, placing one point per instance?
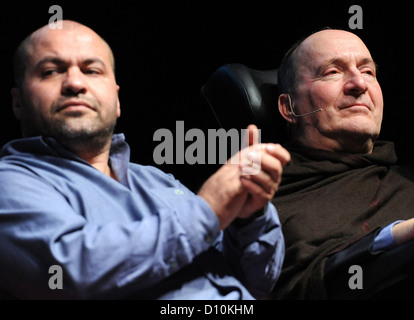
(251, 136)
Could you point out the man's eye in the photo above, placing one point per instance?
(49, 72)
(368, 71)
(92, 71)
(331, 72)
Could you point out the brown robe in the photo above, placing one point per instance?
(328, 201)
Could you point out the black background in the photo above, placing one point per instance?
(166, 50)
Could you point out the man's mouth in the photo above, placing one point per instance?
(74, 105)
(361, 106)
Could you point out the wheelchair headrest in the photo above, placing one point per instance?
(239, 96)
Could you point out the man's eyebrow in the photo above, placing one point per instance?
(94, 60)
(59, 61)
(50, 59)
(367, 61)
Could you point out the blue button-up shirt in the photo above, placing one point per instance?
(144, 236)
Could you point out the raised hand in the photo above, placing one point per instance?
(247, 181)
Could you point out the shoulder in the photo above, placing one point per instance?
(405, 169)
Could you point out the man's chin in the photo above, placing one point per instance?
(83, 138)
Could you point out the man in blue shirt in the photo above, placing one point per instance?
(70, 197)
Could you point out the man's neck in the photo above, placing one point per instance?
(357, 146)
(99, 162)
(97, 157)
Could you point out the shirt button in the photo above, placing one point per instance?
(178, 191)
(173, 265)
(208, 238)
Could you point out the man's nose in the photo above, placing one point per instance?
(74, 82)
(355, 83)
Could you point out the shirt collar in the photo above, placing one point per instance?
(119, 152)
(119, 157)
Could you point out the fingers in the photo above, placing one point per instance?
(252, 139)
(403, 231)
(277, 151)
(263, 188)
(266, 176)
(247, 181)
(224, 193)
(263, 157)
(251, 136)
(262, 170)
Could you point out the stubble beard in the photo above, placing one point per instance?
(90, 138)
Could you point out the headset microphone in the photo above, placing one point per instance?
(303, 114)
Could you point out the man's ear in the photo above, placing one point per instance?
(16, 103)
(118, 103)
(285, 108)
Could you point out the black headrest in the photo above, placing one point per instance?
(239, 96)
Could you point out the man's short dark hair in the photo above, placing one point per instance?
(20, 59)
(287, 76)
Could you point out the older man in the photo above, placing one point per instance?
(341, 186)
(70, 200)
